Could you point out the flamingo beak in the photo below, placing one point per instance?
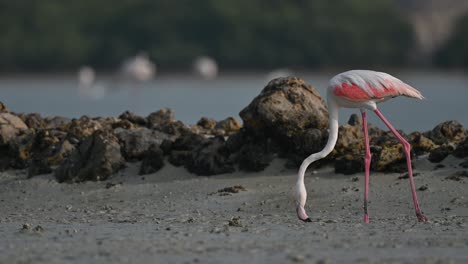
(302, 215)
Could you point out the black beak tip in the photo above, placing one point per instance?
(307, 220)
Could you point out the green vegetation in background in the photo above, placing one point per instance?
(455, 52)
(62, 35)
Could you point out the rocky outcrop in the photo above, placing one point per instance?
(15, 142)
(446, 132)
(462, 149)
(440, 153)
(153, 160)
(135, 142)
(420, 144)
(210, 158)
(286, 109)
(96, 158)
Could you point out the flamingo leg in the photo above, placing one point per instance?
(407, 147)
(367, 162)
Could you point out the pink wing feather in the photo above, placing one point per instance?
(364, 85)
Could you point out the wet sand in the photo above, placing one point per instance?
(175, 217)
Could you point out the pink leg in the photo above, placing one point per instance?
(407, 147)
(367, 162)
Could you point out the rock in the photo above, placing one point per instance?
(349, 164)
(206, 123)
(39, 166)
(47, 151)
(210, 158)
(389, 158)
(134, 119)
(107, 123)
(10, 127)
(350, 140)
(179, 157)
(160, 118)
(166, 146)
(3, 108)
(182, 147)
(464, 164)
(96, 158)
(34, 121)
(457, 176)
(153, 160)
(175, 129)
(229, 125)
(420, 144)
(134, 143)
(446, 132)
(15, 142)
(16, 152)
(355, 120)
(462, 149)
(58, 122)
(286, 109)
(440, 153)
(254, 157)
(124, 124)
(78, 129)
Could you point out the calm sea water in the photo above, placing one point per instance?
(191, 98)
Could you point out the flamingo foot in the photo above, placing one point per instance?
(421, 217)
(302, 215)
(366, 218)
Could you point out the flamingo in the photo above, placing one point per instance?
(205, 67)
(362, 89)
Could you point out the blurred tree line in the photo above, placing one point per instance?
(62, 35)
(455, 52)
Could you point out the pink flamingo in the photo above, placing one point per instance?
(361, 89)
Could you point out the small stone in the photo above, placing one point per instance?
(423, 188)
(235, 221)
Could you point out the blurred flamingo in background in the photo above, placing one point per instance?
(87, 85)
(139, 68)
(205, 67)
(361, 89)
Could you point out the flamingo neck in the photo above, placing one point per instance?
(331, 142)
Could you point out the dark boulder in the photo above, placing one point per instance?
(96, 158)
(181, 148)
(135, 142)
(446, 132)
(349, 164)
(153, 160)
(49, 149)
(440, 153)
(210, 158)
(39, 166)
(254, 157)
(462, 149)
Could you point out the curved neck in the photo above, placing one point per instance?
(332, 138)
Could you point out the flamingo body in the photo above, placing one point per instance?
(365, 85)
(362, 89)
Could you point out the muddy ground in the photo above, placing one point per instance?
(175, 217)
